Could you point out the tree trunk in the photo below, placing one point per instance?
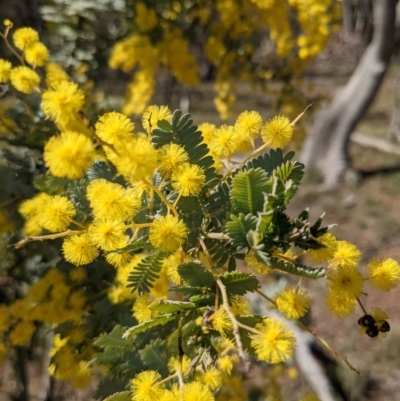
(326, 148)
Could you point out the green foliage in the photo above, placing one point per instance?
(146, 272)
(154, 322)
(196, 275)
(154, 356)
(247, 191)
(238, 283)
(123, 396)
(168, 306)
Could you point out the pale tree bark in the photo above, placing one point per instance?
(326, 148)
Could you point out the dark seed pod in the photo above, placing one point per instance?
(366, 321)
(385, 327)
(372, 331)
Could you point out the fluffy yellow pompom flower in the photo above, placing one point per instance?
(170, 157)
(346, 253)
(144, 386)
(108, 234)
(54, 75)
(22, 332)
(37, 55)
(226, 363)
(24, 79)
(140, 309)
(5, 70)
(79, 249)
(384, 274)
(5, 318)
(188, 179)
(25, 37)
(221, 321)
(195, 391)
(56, 214)
(62, 101)
(112, 201)
(135, 168)
(256, 265)
(153, 114)
(340, 303)
(69, 154)
(212, 378)
(248, 124)
(277, 132)
(293, 303)
(345, 279)
(207, 131)
(114, 128)
(167, 233)
(226, 141)
(274, 343)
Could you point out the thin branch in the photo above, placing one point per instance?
(46, 237)
(219, 236)
(235, 323)
(180, 354)
(326, 345)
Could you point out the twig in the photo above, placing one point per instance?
(220, 236)
(235, 323)
(45, 237)
(180, 354)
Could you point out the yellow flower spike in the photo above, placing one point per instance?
(293, 303)
(167, 233)
(69, 155)
(277, 132)
(274, 343)
(79, 249)
(24, 79)
(188, 179)
(56, 214)
(384, 274)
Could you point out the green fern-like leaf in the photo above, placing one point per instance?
(145, 326)
(168, 306)
(238, 283)
(101, 169)
(113, 339)
(290, 174)
(49, 184)
(221, 252)
(267, 162)
(153, 356)
(247, 191)
(288, 267)
(195, 274)
(146, 272)
(238, 227)
(122, 396)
